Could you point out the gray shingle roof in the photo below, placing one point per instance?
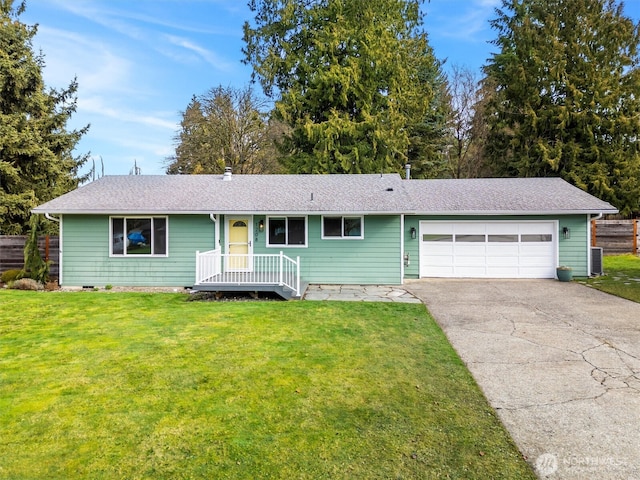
(503, 196)
(243, 193)
(146, 194)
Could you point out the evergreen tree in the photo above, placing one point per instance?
(566, 96)
(356, 82)
(36, 162)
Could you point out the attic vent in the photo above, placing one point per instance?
(596, 261)
(389, 189)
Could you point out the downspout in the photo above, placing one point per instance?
(589, 245)
(57, 220)
(53, 219)
(216, 234)
(402, 249)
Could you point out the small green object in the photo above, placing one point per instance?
(565, 274)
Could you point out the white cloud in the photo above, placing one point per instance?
(98, 68)
(207, 55)
(463, 20)
(97, 105)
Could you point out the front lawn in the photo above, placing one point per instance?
(622, 277)
(114, 385)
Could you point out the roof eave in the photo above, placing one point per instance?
(215, 211)
(516, 212)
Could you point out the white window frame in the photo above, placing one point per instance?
(286, 218)
(124, 253)
(342, 236)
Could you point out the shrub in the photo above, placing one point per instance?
(26, 284)
(10, 276)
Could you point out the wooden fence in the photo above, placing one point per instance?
(615, 236)
(12, 252)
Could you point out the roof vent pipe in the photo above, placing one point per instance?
(407, 171)
(227, 174)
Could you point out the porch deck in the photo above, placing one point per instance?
(277, 273)
(225, 286)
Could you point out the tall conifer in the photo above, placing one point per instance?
(566, 96)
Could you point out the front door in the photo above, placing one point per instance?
(239, 245)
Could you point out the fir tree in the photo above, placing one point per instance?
(36, 162)
(566, 96)
(356, 82)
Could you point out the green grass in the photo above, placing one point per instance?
(622, 277)
(112, 385)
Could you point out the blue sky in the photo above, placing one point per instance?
(139, 62)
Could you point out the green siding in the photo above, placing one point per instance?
(572, 252)
(376, 259)
(372, 260)
(86, 260)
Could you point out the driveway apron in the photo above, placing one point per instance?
(559, 362)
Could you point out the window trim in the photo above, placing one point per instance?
(286, 218)
(343, 237)
(124, 253)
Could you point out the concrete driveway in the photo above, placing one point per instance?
(560, 363)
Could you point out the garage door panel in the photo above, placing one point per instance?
(536, 250)
(470, 228)
(506, 262)
(438, 227)
(501, 228)
(469, 272)
(437, 249)
(442, 271)
(489, 249)
(506, 250)
(503, 272)
(440, 261)
(470, 261)
(536, 227)
(469, 249)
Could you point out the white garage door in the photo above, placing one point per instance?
(488, 249)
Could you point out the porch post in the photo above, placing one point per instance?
(298, 276)
(280, 273)
(197, 267)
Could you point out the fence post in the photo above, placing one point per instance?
(635, 236)
(593, 233)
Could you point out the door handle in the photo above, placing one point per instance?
(249, 242)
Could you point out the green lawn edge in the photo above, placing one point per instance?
(117, 385)
(622, 277)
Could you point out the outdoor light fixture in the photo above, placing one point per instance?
(413, 233)
(566, 233)
(261, 225)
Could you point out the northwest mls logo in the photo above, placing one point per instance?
(547, 464)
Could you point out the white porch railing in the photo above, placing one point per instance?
(214, 267)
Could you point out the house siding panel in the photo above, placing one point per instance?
(372, 260)
(86, 260)
(572, 251)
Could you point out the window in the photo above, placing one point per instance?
(503, 238)
(342, 227)
(288, 231)
(470, 238)
(543, 237)
(139, 236)
(437, 237)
